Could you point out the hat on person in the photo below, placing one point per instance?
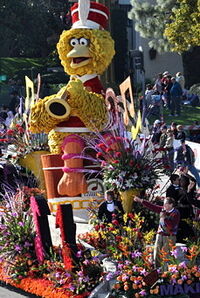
(165, 73)
(89, 15)
(157, 121)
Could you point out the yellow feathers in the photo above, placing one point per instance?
(101, 49)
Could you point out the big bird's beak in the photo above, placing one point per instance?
(80, 56)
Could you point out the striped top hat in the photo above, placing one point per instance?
(90, 15)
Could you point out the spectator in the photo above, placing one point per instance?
(175, 93)
(156, 132)
(169, 147)
(148, 93)
(158, 86)
(110, 207)
(168, 226)
(163, 137)
(180, 133)
(167, 87)
(174, 129)
(181, 80)
(3, 113)
(9, 119)
(173, 190)
(185, 157)
(185, 208)
(14, 102)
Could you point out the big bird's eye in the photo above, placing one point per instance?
(83, 41)
(73, 42)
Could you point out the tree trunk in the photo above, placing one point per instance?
(191, 66)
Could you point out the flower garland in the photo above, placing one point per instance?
(38, 286)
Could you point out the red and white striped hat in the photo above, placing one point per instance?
(92, 15)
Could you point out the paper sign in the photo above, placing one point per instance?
(29, 93)
(127, 99)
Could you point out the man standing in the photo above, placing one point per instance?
(176, 93)
(167, 229)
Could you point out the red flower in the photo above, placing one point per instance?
(118, 154)
(115, 161)
(20, 129)
(99, 154)
(131, 215)
(101, 146)
(109, 149)
(131, 163)
(10, 132)
(115, 222)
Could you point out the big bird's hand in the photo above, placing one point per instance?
(77, 93)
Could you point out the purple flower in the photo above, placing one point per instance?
(72, 288)
(57, 275)
(136, 254)
(143, 272)
(79, 254)
(183, 277)
(21, 224)
(18, 248)
(143, 293)
(120, 266)
(86, 279)
(86, 262)
(109, 276)
(174, 253)
(80, 273)
(184, 248)
(173, 269)
(14, 214)
(183, 265)
(27, 244)
(134, 268)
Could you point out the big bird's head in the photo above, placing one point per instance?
(83, 49)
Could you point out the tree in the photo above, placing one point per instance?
(27, 25)
(153, 21)
(183, 31)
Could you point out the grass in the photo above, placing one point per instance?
(188, 115)
(11, 66)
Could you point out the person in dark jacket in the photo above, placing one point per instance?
(185, 208)
(109, 207)
(185, 157)
(180, 133)
(173, 190)
(176, 94)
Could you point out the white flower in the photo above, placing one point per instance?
(129, 183)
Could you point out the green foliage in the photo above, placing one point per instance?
(27, 27)
(150, 21)
(183, 31)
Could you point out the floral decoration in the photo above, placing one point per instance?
(127, 163)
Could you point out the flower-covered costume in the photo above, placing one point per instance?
(79, 107)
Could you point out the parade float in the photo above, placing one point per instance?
(78, 122)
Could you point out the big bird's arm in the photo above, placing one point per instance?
(41, 118)
(88, 106)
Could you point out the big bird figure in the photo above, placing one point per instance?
(85, 51)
